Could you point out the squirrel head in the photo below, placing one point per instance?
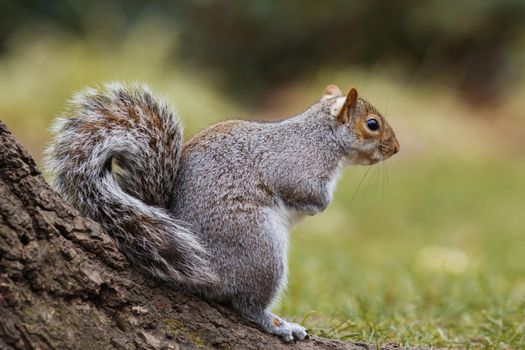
(363, 132)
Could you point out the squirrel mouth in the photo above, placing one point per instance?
(380, 156)
(368, 159)
(371, 157)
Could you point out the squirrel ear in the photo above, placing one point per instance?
(350, 101)
(351, 98)
(331, 91)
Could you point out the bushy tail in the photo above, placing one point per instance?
(115, 157)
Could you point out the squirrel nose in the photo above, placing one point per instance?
(396, 146)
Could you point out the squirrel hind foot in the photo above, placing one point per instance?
(273, 324)
(287, 331)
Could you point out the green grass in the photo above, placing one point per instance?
(436, 258)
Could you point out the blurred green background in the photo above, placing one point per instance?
(427, 249)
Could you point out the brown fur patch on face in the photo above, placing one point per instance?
(384, 138)
(276, 322)
(358, 116)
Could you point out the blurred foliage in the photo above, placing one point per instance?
(257, 45)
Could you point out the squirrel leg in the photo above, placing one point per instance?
(269, 322)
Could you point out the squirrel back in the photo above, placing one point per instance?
(114, 157)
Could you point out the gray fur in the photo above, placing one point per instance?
(131, 206)
(212, 215)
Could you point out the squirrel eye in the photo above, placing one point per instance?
(372, 124)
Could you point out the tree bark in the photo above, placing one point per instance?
(65, 285)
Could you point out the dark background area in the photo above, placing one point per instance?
(261, 44)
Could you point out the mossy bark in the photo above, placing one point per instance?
(65, 285)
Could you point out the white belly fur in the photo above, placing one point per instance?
(280, 220)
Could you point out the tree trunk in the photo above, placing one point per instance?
(65, 285)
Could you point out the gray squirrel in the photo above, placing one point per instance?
(212, 215)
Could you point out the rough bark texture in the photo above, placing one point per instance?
(65, 285)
